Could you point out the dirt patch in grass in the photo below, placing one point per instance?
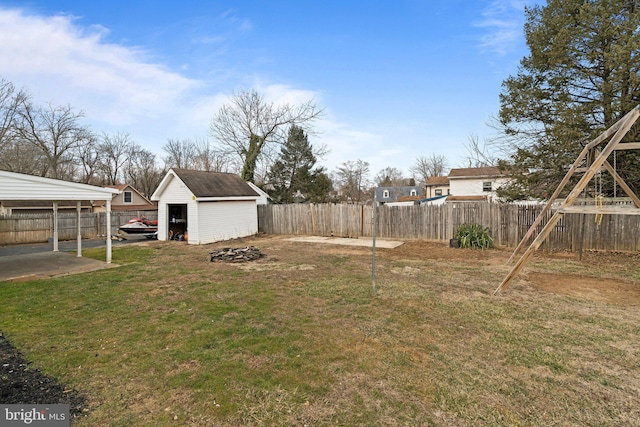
(595, 287)
(587, 288)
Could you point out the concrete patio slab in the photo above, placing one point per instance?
(33, 266)
(386, 244)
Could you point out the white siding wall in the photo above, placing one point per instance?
(176, 193)
(431, 191)
(219, 221)
(473, 186)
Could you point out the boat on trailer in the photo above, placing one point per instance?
(142, 225)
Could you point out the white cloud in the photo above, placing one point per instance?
(285, 94)
(59, 62)
(503, 21)
(346, 143)
(120, 88)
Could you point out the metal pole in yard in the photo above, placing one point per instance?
(373, 246)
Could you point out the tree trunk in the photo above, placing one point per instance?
(251, 158)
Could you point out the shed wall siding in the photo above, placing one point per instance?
(219, 221)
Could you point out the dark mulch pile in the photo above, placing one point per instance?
(22, 384)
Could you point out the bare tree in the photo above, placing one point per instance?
(479, 154)
(115, 150)
(142, 170)
(22, 157)
(210, 158)
(352, 179)
(247, 125)
(55, 132)
(426, 167)
(180, 153)
(89, 155)
(10, 102)
(389, 177)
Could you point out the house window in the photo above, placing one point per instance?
(413, 193)
(439, 192)
(127, 197)
(486, 186)
(385, 194)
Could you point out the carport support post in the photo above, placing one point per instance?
(108, 231)
(78, 211)
(55, 226)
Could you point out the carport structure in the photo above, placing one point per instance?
(17, 186)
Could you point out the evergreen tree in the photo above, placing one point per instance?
(293, 172)
(582, 75)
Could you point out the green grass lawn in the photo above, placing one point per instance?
(169, 338)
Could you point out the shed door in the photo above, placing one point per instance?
(177, 223)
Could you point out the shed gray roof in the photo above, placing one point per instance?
(214, 184)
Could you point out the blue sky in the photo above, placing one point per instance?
(397, 79)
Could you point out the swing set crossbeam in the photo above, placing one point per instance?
(599, 210)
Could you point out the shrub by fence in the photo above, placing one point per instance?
(33, 228)
(507, 223)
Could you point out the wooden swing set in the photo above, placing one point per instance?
(595, 158)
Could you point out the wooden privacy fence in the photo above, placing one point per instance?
(34, 228)
(507, 223)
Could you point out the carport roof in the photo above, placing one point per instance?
(18, 186)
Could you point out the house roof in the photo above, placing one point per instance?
(118, 186)
(474, 172)
(208, 184)
(437, 180)
(122, 187)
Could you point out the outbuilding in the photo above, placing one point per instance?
(20, 187)
(205, 207)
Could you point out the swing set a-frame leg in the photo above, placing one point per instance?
(619, 129)
(532, 248)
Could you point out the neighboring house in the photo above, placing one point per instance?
(473, 184)
(205, 207)
(437, 186)
(399, 194)
(128, 199)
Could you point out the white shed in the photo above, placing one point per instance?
(205, 207)
(18, 186)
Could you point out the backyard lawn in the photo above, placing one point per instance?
(297, 338)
